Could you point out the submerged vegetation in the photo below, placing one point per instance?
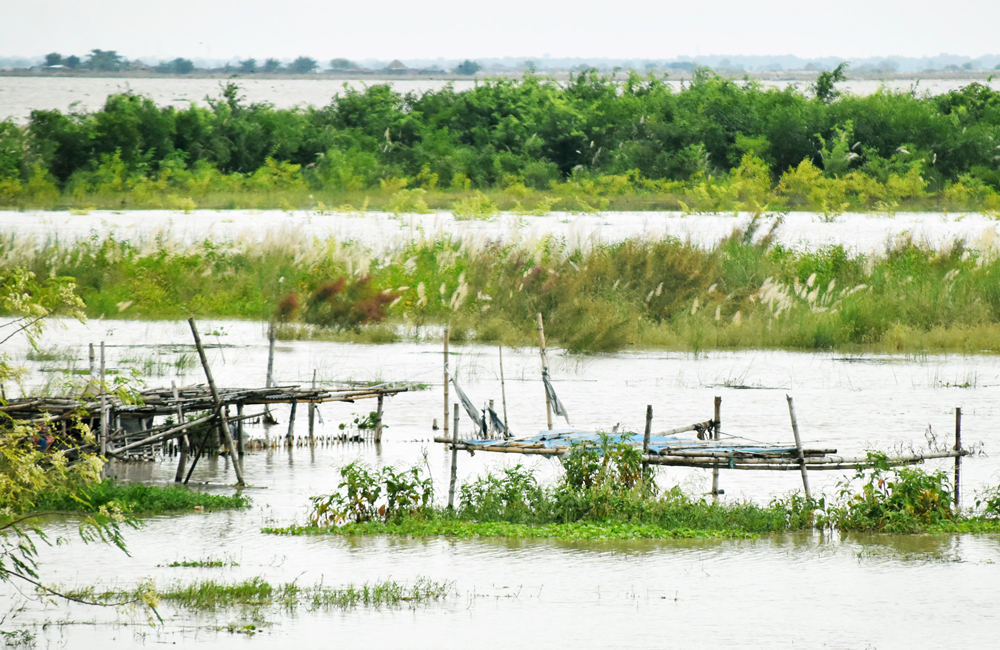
(745, 292)
(137, 498)
(603, 494)
(531, 144)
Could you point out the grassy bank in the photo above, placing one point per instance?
(603, 494)
(137, 499)
(745, 292)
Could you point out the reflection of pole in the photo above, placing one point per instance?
(545, 371)
(454, 461)
(446, 333)
(798, 448)
(503, 397)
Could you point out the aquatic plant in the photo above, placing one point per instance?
(366, 494)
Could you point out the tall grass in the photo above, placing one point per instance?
(137, 498)
(747, 291)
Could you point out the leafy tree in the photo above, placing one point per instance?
(342, 64)
(249, 66)
(53, 59)
(824, 86)
(272, 65)
(106, 61)
(72, 61)
(467, 67)
(302, 65)
(177, 66)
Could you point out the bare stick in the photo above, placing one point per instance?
(185, 443)
(503, 396)
(378, 420)
(958, 459)
(312, 414)
(798, 448)
(268, 418)
(223, 424)
(545, 370)
(240, 442)
(716, 426)
(104, 407)
(454, 463)
(645, 438)
(290, 436)
(446, 334)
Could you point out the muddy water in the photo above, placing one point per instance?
(797, 590)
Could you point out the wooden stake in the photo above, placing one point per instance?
(958, 459)
(798, 448)
(503, 396)
(240, 442)
(104, 406)
(185, 443)
(716, 426)
(645, 438)
(446, 334)
(545, 370)
(220, 412)
(454, 462)
(268, 418)
(93, 363)
(290, 437)
(378, 420)
(312, 414)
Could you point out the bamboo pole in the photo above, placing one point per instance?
(312, 414)
(290, 436)
(798, 448)
(958, 459)
(104, 405)
(454, 462)
(240, 433)
(268, 418)
(220, 412)
(716, 426)
(378, 420)
(645, 439)
(185, 442)
(163, 435)
(503, 396)
(545, 370)
(446, 335)
(93, 363)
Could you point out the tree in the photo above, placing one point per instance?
(177, 66)
(249, 66)
(342, 64)
(72, 61)
(53, 59)
(824, 86)
(467, 67)
(106, 61)
(272, 65)
(302, 65)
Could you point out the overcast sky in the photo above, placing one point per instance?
(387, 29)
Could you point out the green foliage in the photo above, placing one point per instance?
(106, 61)
(302, 65)
(342, 64)
(368, 494)
(824, 87)
(136, 498)
(513, 495)
(467, 67)
(177, 66)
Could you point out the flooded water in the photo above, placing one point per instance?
(793, 590)
(382, 231)
(21, 95)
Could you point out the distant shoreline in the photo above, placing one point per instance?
(382, 75)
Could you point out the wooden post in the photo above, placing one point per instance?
(716, 426)
(289, 437)
(645, 438)
(503, 396)
(545, 370)
(798, 448)
(446, 334)
(958, 459)
(268, 418)
(240, 442)
(220, 412)
(312, 415)
(454, 462)
(378, 419)
(93, 363)
(104, 406)
(185, 444)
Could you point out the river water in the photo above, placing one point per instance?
(21, 95)
(793, 590)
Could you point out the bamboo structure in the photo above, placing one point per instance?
(545, 370)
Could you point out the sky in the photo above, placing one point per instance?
(404, 29)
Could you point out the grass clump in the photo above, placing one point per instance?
(137, 498)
